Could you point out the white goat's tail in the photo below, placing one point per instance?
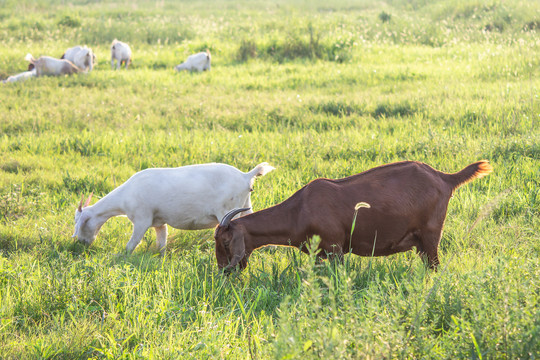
(29, 58)
(261, 170)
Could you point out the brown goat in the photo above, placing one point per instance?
(408, 206)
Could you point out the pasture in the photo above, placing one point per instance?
(316, 89)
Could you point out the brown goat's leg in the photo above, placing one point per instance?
(420, 250)
(243, 262)
(426, 260)
(422, 253)
(336, 255)
(430, 247)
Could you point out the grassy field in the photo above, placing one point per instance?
(315, 88)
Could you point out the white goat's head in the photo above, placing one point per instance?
(84, 231)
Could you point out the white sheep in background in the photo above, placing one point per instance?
(81, 56)
(21, 77)
(190, 197)
(196, 62)
(47, 65)
(121, 52)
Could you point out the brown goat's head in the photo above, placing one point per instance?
(230, 248)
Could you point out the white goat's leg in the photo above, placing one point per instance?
(161, 237)
(127, 63)
(112, 63)
(139, 229)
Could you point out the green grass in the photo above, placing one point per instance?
(316, 89)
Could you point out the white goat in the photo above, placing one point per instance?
(47, 65)
(189, 197)
(196, 62)
(121, 52)
(81, 56)
(21, 77)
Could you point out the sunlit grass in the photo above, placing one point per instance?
(462, 88)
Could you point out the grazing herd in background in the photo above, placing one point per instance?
(49, 66)
(81, 59)
(197, 62)
(21, 76)
(121, 52)
(81, 56)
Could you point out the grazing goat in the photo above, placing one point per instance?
(121, 52)
(189, 197)
(47, 65)
(81, 56)
(408, 207)
(21, 77)
(197, 62)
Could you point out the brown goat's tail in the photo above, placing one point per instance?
(474, 171)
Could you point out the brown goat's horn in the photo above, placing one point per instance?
(88, 200)
(80, 203)
(228, 216)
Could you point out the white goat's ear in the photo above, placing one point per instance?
(81, 206)
(89, 199)
(79, 209)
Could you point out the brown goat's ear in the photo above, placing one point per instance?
(237, 249)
